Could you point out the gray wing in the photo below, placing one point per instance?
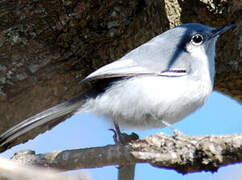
(156, 57)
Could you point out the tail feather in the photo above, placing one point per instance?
(40, 119)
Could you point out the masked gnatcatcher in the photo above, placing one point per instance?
(163, 80)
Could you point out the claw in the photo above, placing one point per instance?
(122, 138)
(115, 137)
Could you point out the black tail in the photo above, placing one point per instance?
(40, 119)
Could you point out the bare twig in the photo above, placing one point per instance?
(183, 154)
(126, 172)
(13, 171)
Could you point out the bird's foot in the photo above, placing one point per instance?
(122, 138)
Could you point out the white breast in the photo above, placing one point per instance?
(141, 102)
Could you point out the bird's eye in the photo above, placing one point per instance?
(197, 39)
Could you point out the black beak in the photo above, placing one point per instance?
(221, 30)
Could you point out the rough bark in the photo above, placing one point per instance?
(48, 46)
(184, 154)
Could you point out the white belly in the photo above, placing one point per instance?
(142, 102)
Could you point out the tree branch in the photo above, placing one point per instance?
(126, 172)
(183, 153)
(12, 171)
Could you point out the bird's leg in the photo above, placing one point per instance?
(122, 138)
(118, 133)
(174, 130)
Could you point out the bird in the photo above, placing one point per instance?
(154, 85)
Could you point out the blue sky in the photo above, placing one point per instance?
(220, 115)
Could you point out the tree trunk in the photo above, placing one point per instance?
(48, 46)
